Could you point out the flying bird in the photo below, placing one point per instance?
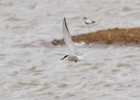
(74, 54)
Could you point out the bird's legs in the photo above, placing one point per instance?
(88, 29)
(76, 60)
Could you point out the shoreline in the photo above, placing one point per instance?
(110, 36)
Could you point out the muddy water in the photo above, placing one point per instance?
(31, 69)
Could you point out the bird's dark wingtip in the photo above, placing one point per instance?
(65, 21)
(64, 18)
(65, 24)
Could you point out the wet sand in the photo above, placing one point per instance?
(111, 36)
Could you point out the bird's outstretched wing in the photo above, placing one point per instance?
(67, 38)
(81, 51)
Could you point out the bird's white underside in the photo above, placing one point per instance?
(73, 52)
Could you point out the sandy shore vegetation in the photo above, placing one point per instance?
(110, 36)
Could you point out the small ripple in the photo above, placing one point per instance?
(115, 70)
(123, 65)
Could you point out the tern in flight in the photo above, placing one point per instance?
(74, 54)
(88, 22)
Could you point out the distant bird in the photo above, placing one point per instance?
(88, 22)
(74, 54)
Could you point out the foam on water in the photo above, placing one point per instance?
(31, 69)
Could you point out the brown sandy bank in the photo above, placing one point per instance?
(110, 36)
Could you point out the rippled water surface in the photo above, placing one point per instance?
(31, 69)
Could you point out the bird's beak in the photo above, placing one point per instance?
(62, 58)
